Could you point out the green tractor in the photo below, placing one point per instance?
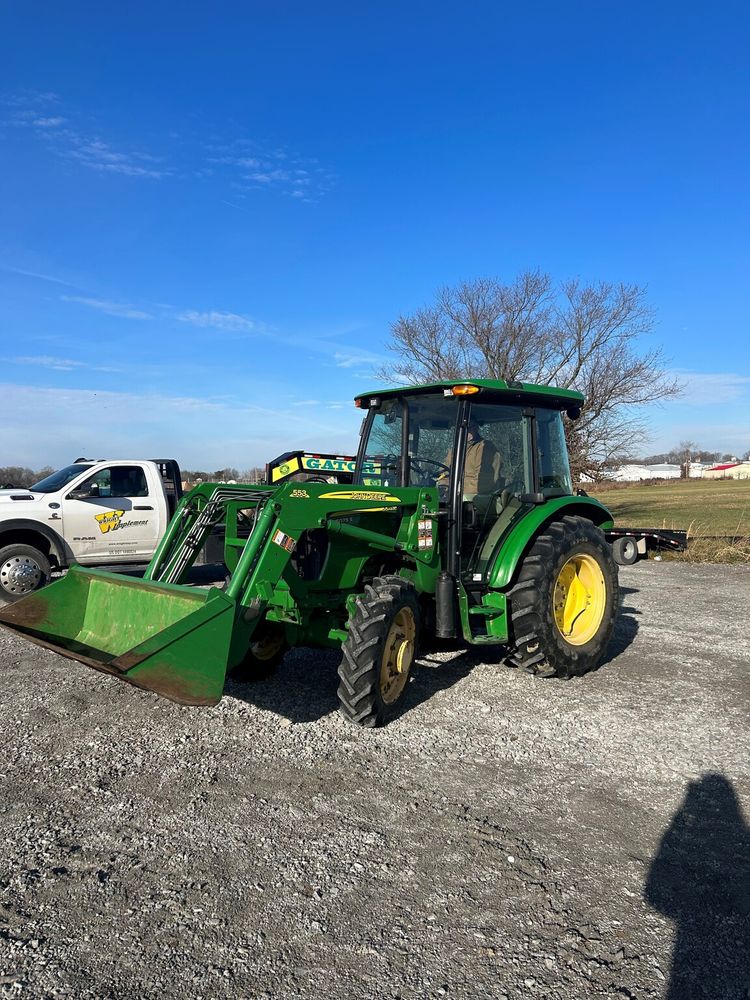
(460, 523)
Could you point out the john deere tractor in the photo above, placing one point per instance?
(460, 522)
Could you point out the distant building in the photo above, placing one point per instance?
(728, 470)
(637, 473)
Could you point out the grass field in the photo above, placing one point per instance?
(704, 508)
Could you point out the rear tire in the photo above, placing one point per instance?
(23, 569)
(564, 601)
(379, 651)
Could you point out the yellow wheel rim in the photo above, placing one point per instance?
(580, 598)
(398, 655)
(267, 646)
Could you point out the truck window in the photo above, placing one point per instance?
(117, 481)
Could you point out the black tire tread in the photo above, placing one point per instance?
(359, 670)
(535, 645)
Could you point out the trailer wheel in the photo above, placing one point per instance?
(23, 569)
(379, 651)
(266, 652)
(625, 550)
(564, 602)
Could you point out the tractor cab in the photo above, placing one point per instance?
(491, 449)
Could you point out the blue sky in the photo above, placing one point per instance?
(211, 213)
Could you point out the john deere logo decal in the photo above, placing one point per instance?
(359, 495)
(108, 521)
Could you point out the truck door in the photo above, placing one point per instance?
(113, 516)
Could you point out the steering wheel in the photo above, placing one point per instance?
(417, 461)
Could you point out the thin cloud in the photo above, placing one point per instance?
(57, 364)
(250, 167)
(240, 164)
(53, 122)
(37, 275)
(228, 321)
(38, 112)
(120, 309)
(307, 402)
(100, 155)
(712, 387)
(91, 420)
(355, 359)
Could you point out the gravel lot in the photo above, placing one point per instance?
(504, 837)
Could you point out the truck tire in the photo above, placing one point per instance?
(379, 651)
(563, 605)
(23, 569)
(625, 550)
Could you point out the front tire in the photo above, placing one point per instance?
(564, 602)
(379, 651)
(23, 569)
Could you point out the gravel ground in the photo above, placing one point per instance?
(504, 837)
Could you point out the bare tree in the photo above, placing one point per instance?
(684, 455)
(575, 336)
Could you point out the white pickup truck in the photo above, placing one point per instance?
(91, 512)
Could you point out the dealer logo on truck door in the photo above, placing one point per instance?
(111, 520)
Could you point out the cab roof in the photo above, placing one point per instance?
(490, 391)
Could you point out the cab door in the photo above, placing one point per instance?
(113, 516)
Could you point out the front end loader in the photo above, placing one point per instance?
(460, 523)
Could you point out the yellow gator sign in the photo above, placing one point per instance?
(309, 463)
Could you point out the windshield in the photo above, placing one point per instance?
(59, 479)
(430, 444)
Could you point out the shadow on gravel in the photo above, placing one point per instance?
(432, 676)
(625, 631)
(700, 879)
(303, 689)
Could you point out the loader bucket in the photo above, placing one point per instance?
(169, 639)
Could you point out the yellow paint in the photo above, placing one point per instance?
(285, 469)
(108, 521)
(579, 598)
(398, 655)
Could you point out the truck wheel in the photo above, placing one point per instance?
(266, 652)
(625, 550)
(379, 651)
(23, 569)
(564, 602)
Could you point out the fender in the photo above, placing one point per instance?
(59, 548)
(523, 534)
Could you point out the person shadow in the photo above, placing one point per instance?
(700, 879)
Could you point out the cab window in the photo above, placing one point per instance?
(116, 481)
(552, 454)
(382, 463)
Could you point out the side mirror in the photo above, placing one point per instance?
(84, 493)
(573, 412)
